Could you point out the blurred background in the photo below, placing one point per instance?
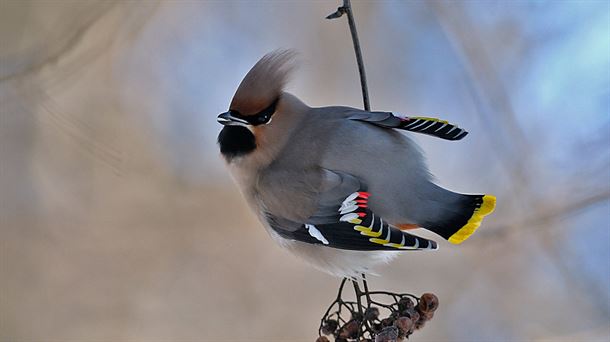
(119, 221)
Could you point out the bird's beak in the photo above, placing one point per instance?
(229, 120)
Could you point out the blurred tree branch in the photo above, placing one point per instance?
(69, 45)
(92, 39)
(490, 97)
(510, 141)
(489, 94)
(500, 231)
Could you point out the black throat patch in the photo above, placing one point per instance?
(236, 141)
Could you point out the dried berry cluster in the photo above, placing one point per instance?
(406, 313)
(408, 318)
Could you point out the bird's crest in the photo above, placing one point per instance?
(264, 82)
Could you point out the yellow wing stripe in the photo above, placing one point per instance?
(368, 231)
(428, 119)
(486, 208)
(379, 241)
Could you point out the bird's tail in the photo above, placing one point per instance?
(462, 219)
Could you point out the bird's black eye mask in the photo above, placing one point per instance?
(260, 118)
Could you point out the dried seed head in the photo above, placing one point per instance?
(388, 334)
(350, 329)
(357, 316)
(410, 313)
(426, 316)
(364, 323)
(428, 302)
(330, 326)
(420, 324)
(405, 303)
(405, 325)
(371, 314)
(386, 322)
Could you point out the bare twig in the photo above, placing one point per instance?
(347, 9)
(363, 322)
(386, 313)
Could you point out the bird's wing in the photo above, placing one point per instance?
(418, 124)
(343, 220)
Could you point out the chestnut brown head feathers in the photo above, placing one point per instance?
(263, 83)
(258, 98)
(258, 94)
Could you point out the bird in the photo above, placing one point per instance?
(338, 186)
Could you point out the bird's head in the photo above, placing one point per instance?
(258, 94)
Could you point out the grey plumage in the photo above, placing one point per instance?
(386, 161)
(308, 160)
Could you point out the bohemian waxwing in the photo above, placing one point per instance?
(338, 186)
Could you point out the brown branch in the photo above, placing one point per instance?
(363, 322)
(387, 316)
(347, 9)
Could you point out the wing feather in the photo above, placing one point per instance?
(418, 124)
(343, 220)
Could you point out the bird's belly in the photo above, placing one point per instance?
(336, 262)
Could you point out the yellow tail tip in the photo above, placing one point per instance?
(486, 208)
